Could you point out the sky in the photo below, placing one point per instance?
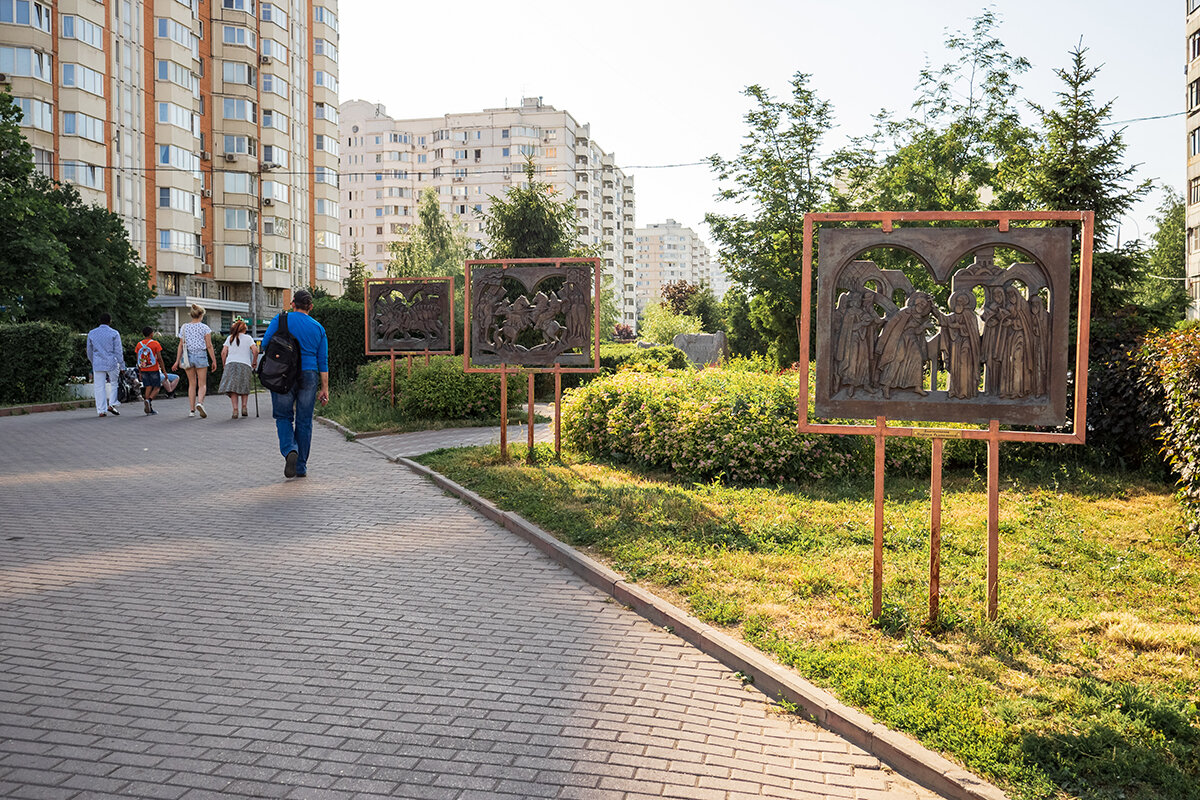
(661, 81)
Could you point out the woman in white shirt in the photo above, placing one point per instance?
(239, 357)
(195, 342)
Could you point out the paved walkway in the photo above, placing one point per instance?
(178, 621)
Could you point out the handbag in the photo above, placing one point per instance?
(185, 360)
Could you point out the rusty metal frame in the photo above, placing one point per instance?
(367, 284)
(557, 370)
(993, 435)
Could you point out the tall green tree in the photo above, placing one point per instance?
(356, 274)
(778, 175)
(1163, 294)
(61, 260)
(532, 221)
(744, 337)
(436, 246)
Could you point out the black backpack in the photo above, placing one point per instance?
(279, 367)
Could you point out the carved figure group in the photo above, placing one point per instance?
(419, 317)
(1007, 345)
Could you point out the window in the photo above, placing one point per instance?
(1194, 191)
(279, 261)
(274, 84)
(276, 191)
(274, 154)
(178, 75)
(328, 272)
(326, 175)
(24, 12)
(26, 62)
(325, 79)
(171, 114)
(179, 33)
(237, 255)
(240, 183)
(36, 113)
(239, 219)
(328, 208)
(179, 158)
(88, 32)
(277, 226)
(328, 144)
(76, 124)
(324, 48)
(81, 77)
(235, 72)
(1194, 142)
(83, 173)
(273, 13)
(184, 242)
(273, 119)
(274, 49)
(329, 239)
(237, 108)
(326, 111)
(238, 5)
(178, 200)
(235, 34)
(323, 14)
(239, 144)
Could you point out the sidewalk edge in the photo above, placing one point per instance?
(900, 751)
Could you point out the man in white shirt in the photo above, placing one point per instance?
(107, 355)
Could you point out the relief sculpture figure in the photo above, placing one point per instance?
(1041, 345)
(576, 294)
(854, 344)
(902, 348)
(1017, 366)
(960, 330)
(490, 297)
(995, 312)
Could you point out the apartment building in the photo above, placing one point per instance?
(666, 252)
(1193, 157)
(469, 158)
(209, 126)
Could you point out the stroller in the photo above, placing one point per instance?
(129, 386)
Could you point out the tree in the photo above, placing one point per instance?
(704, 306)
(660, 325)
(356, 273)
(531, 221)
(677, 294)
(777, 177)
(1163, 294)
(61, 260)
(744, 338)
(437, 246)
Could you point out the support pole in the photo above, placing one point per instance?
(877, 563)
(393, 392)
(935, 531)
(427, 356)
(557, 411)
(503, 412)
(530, 457)
(993, 543)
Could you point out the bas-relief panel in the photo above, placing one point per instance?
(532, 315)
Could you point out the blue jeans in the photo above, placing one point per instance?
(293, 413)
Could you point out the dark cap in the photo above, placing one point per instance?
(302, 297)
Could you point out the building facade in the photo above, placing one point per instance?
(1193, 157)
(468, 158)
(666, 252)
(209, 126)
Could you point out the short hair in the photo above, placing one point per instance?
(105, 318)
(146, 331)
(302, 298)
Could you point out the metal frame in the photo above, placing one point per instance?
(993, 435)
(557, 370)
(391, 353)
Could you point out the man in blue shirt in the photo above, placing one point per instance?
(293, 412)
(107, 355)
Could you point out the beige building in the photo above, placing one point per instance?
(470, 157)
(1193, 158)
(666, 252)
(209, 127)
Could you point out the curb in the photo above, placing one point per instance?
(900, 751)
(38, 408)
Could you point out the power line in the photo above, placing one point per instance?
(1143, 119)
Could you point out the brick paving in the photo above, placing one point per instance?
(178, 621)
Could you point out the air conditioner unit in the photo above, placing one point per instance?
(206, 268)
(264, 59)
(230, 157)
(3, 78)
(207, 192)
(205, 155)
(268, 201)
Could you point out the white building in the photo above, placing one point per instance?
(470, 157)
(666, 252)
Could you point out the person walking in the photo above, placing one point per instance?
(196, 356)
(105, 351)
(238, 358)
(148, 354)
(293, 411)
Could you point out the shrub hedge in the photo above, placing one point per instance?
(439, 391)
(1174, 371)
(343, 321)
(34, 361)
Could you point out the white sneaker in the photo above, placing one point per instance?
(191, 413)
(200, 408)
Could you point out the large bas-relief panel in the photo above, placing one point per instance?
(995, 348)
(532, 315)
(409, 315)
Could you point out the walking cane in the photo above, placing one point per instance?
(254, 378)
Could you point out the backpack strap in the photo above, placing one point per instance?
(283, 323)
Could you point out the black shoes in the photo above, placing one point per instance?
(289, 466)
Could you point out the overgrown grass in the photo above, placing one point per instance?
(1087, 684)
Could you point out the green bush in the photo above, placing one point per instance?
(344, 326)
(733, 424)
(441, 390)
(34, 358)
(1174, 361)
(613, 357)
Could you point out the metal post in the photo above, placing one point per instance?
(557, 411)
(877, 563)
(393, 393)
(935, 530)
(993, 543)
(504, 411)
(530, 458)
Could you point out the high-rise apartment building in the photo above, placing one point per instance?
(468, 158)
(665, 252)
(209, 126)
(1193, 158)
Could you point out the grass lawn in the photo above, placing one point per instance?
(1086, 686)
(362, 414)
